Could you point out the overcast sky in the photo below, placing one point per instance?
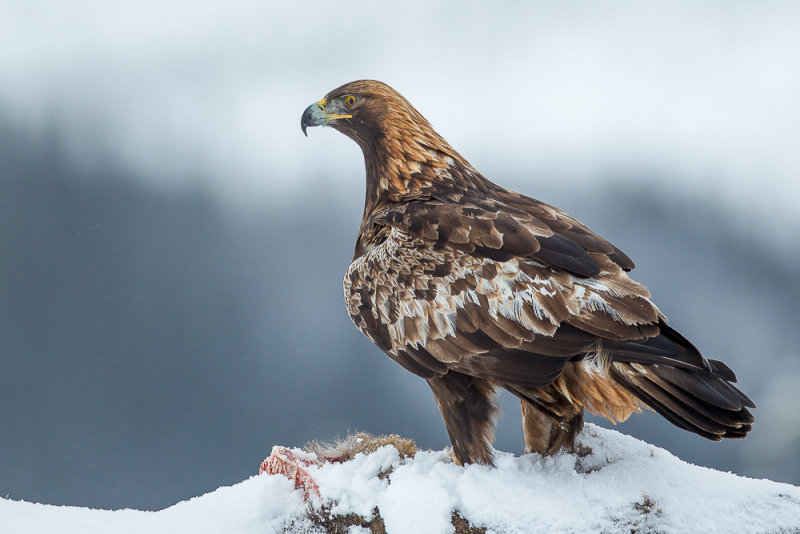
(211, 92)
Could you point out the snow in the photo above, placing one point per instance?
(260, 504)
(621, 485)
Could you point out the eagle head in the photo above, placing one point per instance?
(403, 154)
(364, 110)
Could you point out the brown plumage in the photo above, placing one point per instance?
(474, 287)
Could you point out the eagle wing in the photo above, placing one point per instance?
(564, 226)
(503, 227)
(492, 290)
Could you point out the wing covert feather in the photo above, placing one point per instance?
(437, 307)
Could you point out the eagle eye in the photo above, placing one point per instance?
(350, 101)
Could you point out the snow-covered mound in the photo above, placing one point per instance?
(615, 484)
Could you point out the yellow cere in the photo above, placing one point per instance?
(330, 116)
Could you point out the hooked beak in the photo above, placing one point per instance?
(316, 115)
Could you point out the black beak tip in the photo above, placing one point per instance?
(306, 119)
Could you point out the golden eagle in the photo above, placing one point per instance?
(474, 287)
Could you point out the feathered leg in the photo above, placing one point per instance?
(545, 432)
(468, 409)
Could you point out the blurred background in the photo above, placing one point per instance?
(172, 247)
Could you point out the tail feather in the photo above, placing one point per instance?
(719, 368)
(707, 386)
(684, 407)
(727, 415)
(671, 376)
(668, 348)
(676, 419)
